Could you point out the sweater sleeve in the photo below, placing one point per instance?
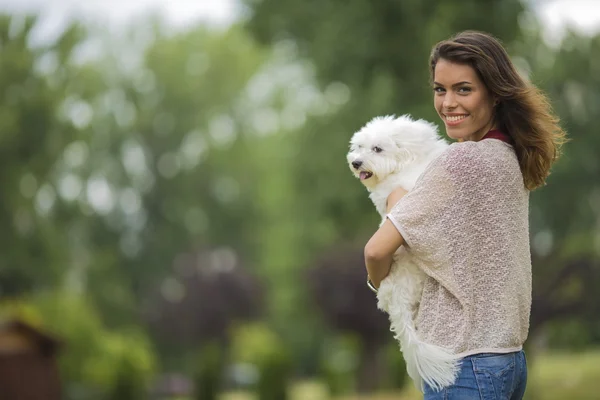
(422, 216)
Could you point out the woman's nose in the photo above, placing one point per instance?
(449, 101)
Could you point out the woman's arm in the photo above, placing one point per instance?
(383, 244)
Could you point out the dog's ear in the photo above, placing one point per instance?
(399, 141)
(405, 149)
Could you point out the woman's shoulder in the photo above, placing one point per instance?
(459, 153)
(452, 163)
(464, 159)
(469, 152)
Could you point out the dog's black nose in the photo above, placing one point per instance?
(356, 164)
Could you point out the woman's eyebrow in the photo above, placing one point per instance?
(455, 85)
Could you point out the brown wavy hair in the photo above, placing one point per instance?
(523, 111)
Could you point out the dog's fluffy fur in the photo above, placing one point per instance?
(385, 154)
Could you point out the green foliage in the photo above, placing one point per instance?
(32, 138)
(563, 376)
(339, 363)
(397, 376)
(569, 74)
(572, 335)
(134, 363)
(18, 309)
(551, 376)
(210, 368)
(275, 372)
(129, 383)
(254, 342)
(203, 139)
(93, 358)
(257, 345)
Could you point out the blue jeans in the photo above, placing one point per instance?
(488, 376)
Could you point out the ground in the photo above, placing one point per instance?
(554, 376)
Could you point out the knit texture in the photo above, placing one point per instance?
(466, 225)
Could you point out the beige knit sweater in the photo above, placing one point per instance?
(466, 225)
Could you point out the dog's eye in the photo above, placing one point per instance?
(377, 149)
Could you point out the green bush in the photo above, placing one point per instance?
(132, 362)
(256, 344)
(339, 363)
(95, 362)
(274, 376)
(559, 376)
(209, 372)
(573, 335)
(397, 376)
(129, 384)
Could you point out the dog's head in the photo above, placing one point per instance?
(385, 145)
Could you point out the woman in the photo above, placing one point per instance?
(466, 221)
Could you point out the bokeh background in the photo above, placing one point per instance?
(176, 209)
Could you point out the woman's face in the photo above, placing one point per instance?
(462, 101)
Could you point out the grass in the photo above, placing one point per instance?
(312, 390)
(565, 376)
(554, 376)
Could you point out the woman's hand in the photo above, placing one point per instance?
(380, 249)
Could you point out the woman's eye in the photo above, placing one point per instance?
(464, 90)
(377, 149)
(438, 89)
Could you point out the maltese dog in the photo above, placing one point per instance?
(385, 154)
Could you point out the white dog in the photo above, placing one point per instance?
(385, 154)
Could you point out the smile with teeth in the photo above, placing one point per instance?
(364, 175)
(453, 119)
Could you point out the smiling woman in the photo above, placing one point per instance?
(485, 92)
(465, 223)
(463, 101)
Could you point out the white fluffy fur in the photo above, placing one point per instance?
(396, 151)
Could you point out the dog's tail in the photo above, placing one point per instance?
(425, 362)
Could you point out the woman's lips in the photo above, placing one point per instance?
(453, 120)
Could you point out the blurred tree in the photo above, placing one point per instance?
(565, 213)
(209, 371)
(189, 132)
(161, 139)
(256, 346)
(200, 303)
(133, 162)
(32, 137)
(341, 295)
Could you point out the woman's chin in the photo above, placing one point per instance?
(455, 135)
